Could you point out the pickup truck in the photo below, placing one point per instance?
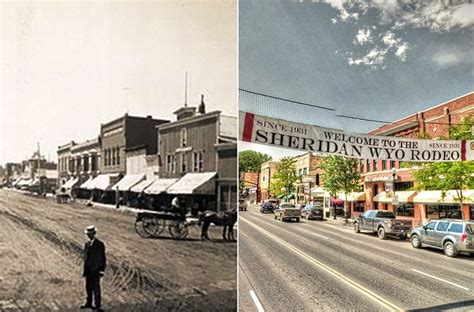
(286, 212)
(383, 222)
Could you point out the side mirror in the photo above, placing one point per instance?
(424, 227)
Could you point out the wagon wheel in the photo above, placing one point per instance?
(148, 226)
(178, 229)
(140, 224)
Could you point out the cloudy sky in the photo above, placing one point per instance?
(66, 67)
(378, 60)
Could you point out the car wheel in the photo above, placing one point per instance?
(356, 227)
(449, 249)
(403, 237)
(415, 241)
(381, 233)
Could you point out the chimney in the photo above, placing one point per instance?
(202, 106)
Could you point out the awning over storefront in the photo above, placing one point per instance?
(337, 202)
(434, 197)
(403, 197)
(70, 183)
(101, 182)
(353, 196)
(24, 182)
(319, 192)
(140, 187)
(195, 183)
(18, 180)
(128, 181)
(160, 186)
(86, 184)
(35, 182)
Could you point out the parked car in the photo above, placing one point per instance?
(242, 204)
(453, 236)
(301, 209)
(268, 206)
(382, 222)
(286, 212)
(312, 211)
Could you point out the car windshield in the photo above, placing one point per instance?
(287, 206)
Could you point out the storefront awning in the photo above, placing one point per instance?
(319, 192)
(35, 182)
(18, 180)
(403, 197)
(70, 183)
(102, 182)
(140, 187)
(128, 181)
(353, 196)
(86, 184)
(25, 182)
(195, 183)
(434, 197)
(160, 186)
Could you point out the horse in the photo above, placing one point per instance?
(226, 219)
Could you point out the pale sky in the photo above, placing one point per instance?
(66, 67)
(377, 60)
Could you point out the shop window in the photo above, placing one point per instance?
(374, 165)
(198, 162)
(305, 171)
(443, 212)
(405, 210)
(367, 165)
(118, 155)
(359, 206)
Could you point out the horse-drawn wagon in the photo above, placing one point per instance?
(153, 223)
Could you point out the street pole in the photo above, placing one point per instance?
(394, 201)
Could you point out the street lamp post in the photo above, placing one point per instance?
(394, 199)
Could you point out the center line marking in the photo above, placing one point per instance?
(320, 235)
(256, 301)
(358, 287)
(440, 279)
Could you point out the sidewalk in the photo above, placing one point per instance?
(340, 222)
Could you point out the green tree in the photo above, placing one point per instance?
(283, 181)
(341, 174)
(445, 176)
(251, 161)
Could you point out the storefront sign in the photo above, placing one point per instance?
(291, 135)
(389, 186)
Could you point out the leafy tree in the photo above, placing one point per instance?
(251, 161)
(283, 181)
(444, 176)
(341, 174)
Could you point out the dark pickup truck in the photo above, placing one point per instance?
(383, 222)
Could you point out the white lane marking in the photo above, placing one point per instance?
(358, 287)
(320, 235)
(256, 301)
(440, 279)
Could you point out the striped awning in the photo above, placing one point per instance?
(403, 197)
(451, 197)
(353, 196)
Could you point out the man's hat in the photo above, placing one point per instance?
(90, 229)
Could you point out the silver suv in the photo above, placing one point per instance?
(452, 236)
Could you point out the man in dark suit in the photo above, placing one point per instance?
(94, 267)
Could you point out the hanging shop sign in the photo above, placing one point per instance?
(292, 135)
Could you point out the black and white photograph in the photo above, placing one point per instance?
(118, 155)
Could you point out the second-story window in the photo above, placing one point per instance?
(168, 163)
(305, 171)
(183, 162)
(184, 137)
(118, 155)
(197, 162)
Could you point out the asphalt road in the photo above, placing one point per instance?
(320, 266)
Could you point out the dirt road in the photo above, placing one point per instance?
(41, 246)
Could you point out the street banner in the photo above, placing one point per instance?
(291, 135)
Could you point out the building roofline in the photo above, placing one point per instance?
(422, 111)
(188, 120)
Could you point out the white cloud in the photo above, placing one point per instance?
(434, 15)
(401, 51)
(450, 57)
(374, 59)
(363, 37)
(389, 39)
